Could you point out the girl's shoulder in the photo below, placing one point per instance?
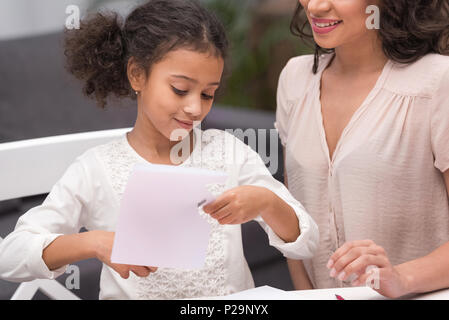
(115, 152)
(423, 77)
(114, 145)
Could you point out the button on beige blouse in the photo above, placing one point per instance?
(385, 180)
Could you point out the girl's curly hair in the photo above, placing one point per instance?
(98, 52)
(409, 29)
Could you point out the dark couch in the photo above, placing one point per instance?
(38, 98)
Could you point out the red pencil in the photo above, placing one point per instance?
(339, 297)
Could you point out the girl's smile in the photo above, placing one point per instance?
(186, 124)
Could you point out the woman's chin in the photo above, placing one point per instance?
(325, 44)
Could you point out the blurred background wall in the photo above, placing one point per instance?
(258, 30)
(26, 18)
(261, 46)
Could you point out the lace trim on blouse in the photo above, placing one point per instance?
(169, 283)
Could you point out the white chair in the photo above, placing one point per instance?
(32, 167)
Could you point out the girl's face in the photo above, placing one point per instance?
(338, 22)
(179, 91)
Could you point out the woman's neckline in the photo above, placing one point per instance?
(317, 96)
(327, 59)
(188, 160)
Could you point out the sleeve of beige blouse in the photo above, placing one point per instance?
(61, 213)
(254, 172)
(440, 124)
(283, 107)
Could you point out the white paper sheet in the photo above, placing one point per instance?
(159, 222)
(261, 293)
(270, 293)
(347, 293)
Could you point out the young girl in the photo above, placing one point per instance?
(170, 56)
(373, 114)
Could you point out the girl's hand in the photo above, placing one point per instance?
(102, 242)
(356, 256)
(239, 205)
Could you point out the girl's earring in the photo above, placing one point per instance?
(137, 92)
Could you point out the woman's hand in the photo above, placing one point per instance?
(239, 205)
(102, 243)
(356, 256)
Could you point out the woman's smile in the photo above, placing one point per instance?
(322, 26)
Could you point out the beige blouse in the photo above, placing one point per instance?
(385, 180)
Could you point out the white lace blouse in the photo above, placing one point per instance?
(88, 195)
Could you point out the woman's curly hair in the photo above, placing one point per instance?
(409, 29)
(98, 52)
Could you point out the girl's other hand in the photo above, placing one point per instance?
(239, 205)
(102, 244)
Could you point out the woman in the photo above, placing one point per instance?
(365, 128)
